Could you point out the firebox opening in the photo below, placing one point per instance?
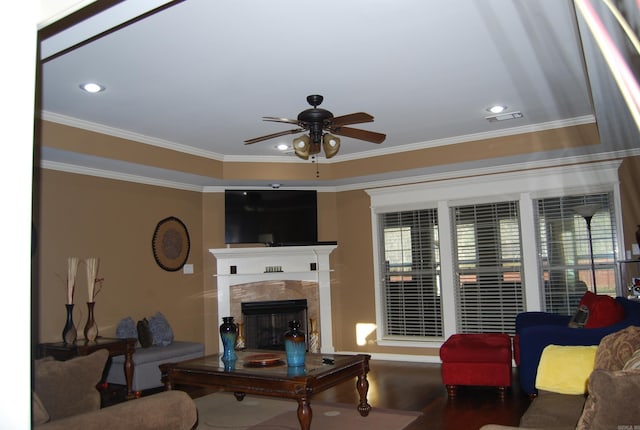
(265, 323)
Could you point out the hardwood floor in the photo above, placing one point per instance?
(418, 387)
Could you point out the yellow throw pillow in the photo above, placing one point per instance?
(565, 369)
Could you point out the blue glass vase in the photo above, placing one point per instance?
(228, 334)
(295, 346)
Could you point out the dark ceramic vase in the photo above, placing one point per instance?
(90, 328)
(294, 345)
(228, 334)
(69, 332)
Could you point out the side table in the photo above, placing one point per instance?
(64, 351)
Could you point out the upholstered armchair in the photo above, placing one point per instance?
(536, 330)
(65, 398)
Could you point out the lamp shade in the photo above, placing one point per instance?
(331, 145)
(301, 146)
(586, 211)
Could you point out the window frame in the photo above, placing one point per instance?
(479, 187)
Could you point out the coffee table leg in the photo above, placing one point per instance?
(363, 388)
(304, 413)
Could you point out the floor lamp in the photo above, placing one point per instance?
(587, 212)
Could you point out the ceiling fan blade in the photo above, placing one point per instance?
(352, 118)
(356, 133)
(278, 119)
(271, 136)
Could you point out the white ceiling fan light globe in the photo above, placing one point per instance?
(331, 145)
(301, 146)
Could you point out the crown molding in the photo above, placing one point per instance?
(123, 134)
(468, 173)
(587, 119)
(407, 180)
(290, 158)
(108, 174)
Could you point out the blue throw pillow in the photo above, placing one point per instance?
(160, 330)
(126, 329)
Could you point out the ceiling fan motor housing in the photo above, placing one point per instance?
(315, 120)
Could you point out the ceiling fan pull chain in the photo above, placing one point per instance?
(313, 160)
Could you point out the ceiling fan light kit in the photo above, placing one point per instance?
(330, 144)
(322, 127)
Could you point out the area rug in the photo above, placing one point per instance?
(221, 411)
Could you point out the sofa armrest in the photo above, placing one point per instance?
(533, 339)
(167, 410)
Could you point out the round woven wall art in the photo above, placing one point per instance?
(171, 244)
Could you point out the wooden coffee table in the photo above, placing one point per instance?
(266, 373)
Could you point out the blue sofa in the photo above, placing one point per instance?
(536, 330)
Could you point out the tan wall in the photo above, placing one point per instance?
(85, 216)
(630, 196)
(88, 216)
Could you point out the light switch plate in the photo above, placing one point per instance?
(187, 269)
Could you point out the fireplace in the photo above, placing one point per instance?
(266, 322)
(244, 275)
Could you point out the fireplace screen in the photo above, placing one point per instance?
(265, 323)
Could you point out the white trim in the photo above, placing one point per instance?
(128, 135)
(101, 173)
(506, 185)
(417, 180)
(112, 131)
(432, 359)
(533, 128)
(531, 268)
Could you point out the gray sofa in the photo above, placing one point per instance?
(146, 373)
(609, 402)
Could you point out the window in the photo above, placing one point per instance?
(564, 249)
(411, 274)
(487, 263)
(467, 255)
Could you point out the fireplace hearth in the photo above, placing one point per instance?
(265, 322)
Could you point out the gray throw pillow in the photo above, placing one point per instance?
(126, 329)
(160, 330)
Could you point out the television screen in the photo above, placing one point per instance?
(274, 217)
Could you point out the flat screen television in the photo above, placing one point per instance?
(272, 217)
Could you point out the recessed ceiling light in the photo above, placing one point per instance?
(92, 87)
(497, 109)
(282, 147)
(504, 116)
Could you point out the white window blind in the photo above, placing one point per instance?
(564, 251)
(411, 274)
(488, 267)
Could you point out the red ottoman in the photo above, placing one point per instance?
(476, 359)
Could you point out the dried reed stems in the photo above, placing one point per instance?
(92, 272)
(72, 270)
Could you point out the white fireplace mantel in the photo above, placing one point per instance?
(297, 263)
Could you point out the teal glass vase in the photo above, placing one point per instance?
(295, 347)
(228, 334)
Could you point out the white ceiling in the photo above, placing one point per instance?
(200, 75)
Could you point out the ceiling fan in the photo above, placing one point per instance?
(322, 126)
